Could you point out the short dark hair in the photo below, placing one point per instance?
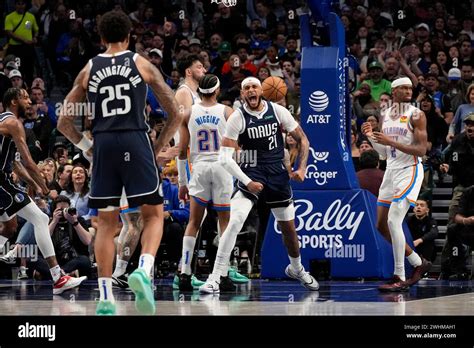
(60, 199)
(10, 95)
(369, 159)
(186, 62)
(114, 26)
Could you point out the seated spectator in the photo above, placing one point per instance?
(78, 190)
(453, 265)
(354, 149)
(230, 81)
(424, 230)
(370, 176)
(70, 240)
(364, 145)
(464, 110)
(63, 175)
(377, 84)
(171, 173)
(60, 154)
(364, 104)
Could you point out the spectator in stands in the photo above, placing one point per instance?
(354, 149)
(461, 163)
(171, 173)
(70, 240)
(231, 80)
(365, 145)
(460, 232)
(60, 153)
(78, 189)
(370, 176)
(424, 230)
(61, 182)
(363, 101)
(223, 56)
(377, 84)
(441, 100)
(457, 125)
(292, 52)
(16, 79)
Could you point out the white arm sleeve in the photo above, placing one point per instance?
(182, 173)
(227, 162)
(286, 119)
(234, 126)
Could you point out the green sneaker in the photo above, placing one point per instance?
(196, 283)
(140, 284)
(105, 308)
(236, 277)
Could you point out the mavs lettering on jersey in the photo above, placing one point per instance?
(118, 93)
(263, 136)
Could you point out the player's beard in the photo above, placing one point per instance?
(21, 111)
(250, 105)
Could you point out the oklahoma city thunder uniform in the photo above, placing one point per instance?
(123, 153)
(263, 136)
(12, 197)
(196, 99)
(404, 174)
(209, 181)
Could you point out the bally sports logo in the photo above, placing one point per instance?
(312, 172)
(318, 101)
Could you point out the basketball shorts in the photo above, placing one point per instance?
(399, 184)
(124, 162)
(12, 197)
(276, 191)
(210, 183)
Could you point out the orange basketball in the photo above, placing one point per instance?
(274, 88)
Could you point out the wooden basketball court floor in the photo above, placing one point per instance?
(259, 298)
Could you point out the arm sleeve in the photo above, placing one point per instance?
(284, 116)
(227, 162)
(235, 125)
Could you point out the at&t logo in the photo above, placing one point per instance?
(318, 101)
(312, 172)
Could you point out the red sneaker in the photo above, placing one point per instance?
(65, 283)
(419, 271)
(394, 285)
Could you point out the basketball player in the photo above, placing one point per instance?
(192, 69)
(13, 199)
(124, 160)
(203, 131)
(257, 126)
(403, 140)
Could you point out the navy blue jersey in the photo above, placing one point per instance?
(263, 136)
(7, 148)
(117, 93)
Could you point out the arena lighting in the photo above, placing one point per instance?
(227, 3)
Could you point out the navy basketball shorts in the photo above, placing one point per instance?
(13, 198)
(276, 191)
(124, 162)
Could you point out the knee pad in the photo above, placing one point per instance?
(284, 214)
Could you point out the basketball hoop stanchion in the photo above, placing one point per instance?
(335, 219)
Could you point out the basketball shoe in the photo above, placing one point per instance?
(140, 284)
(306, 279)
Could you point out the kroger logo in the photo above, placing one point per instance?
(318, 101)
(312, 171)
(338, 217)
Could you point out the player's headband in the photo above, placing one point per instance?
(210, 90)
(250, 80)
(403, 81)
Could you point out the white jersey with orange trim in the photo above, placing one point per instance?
(206, 127)
(398, 126)
(196, 99)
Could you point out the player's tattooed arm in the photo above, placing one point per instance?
(76, 95)
(17, 132)
(22, 173)
(165, 96)
(420, 137)
(299, 135)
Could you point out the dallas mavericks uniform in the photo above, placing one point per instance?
(209, 181)
(404, 174)
(123, 152)
(263, 137)
(12, 197)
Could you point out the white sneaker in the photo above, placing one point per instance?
(9, 258)
(65, 283)
(303, 277)
(22, 273)
(210, 287)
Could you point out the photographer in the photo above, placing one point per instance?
(70, 240)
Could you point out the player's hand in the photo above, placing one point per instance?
(367, 129)
(444, 168)
(183, 193)
(382, 139)
(255, 187)
(298, 175)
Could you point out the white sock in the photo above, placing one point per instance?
(188, 248)
(396, 214)
(120, 267)
(296, 264)
(3, 240)
(55, 273)
(105, 289)
(414, 259)
(146, 262)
